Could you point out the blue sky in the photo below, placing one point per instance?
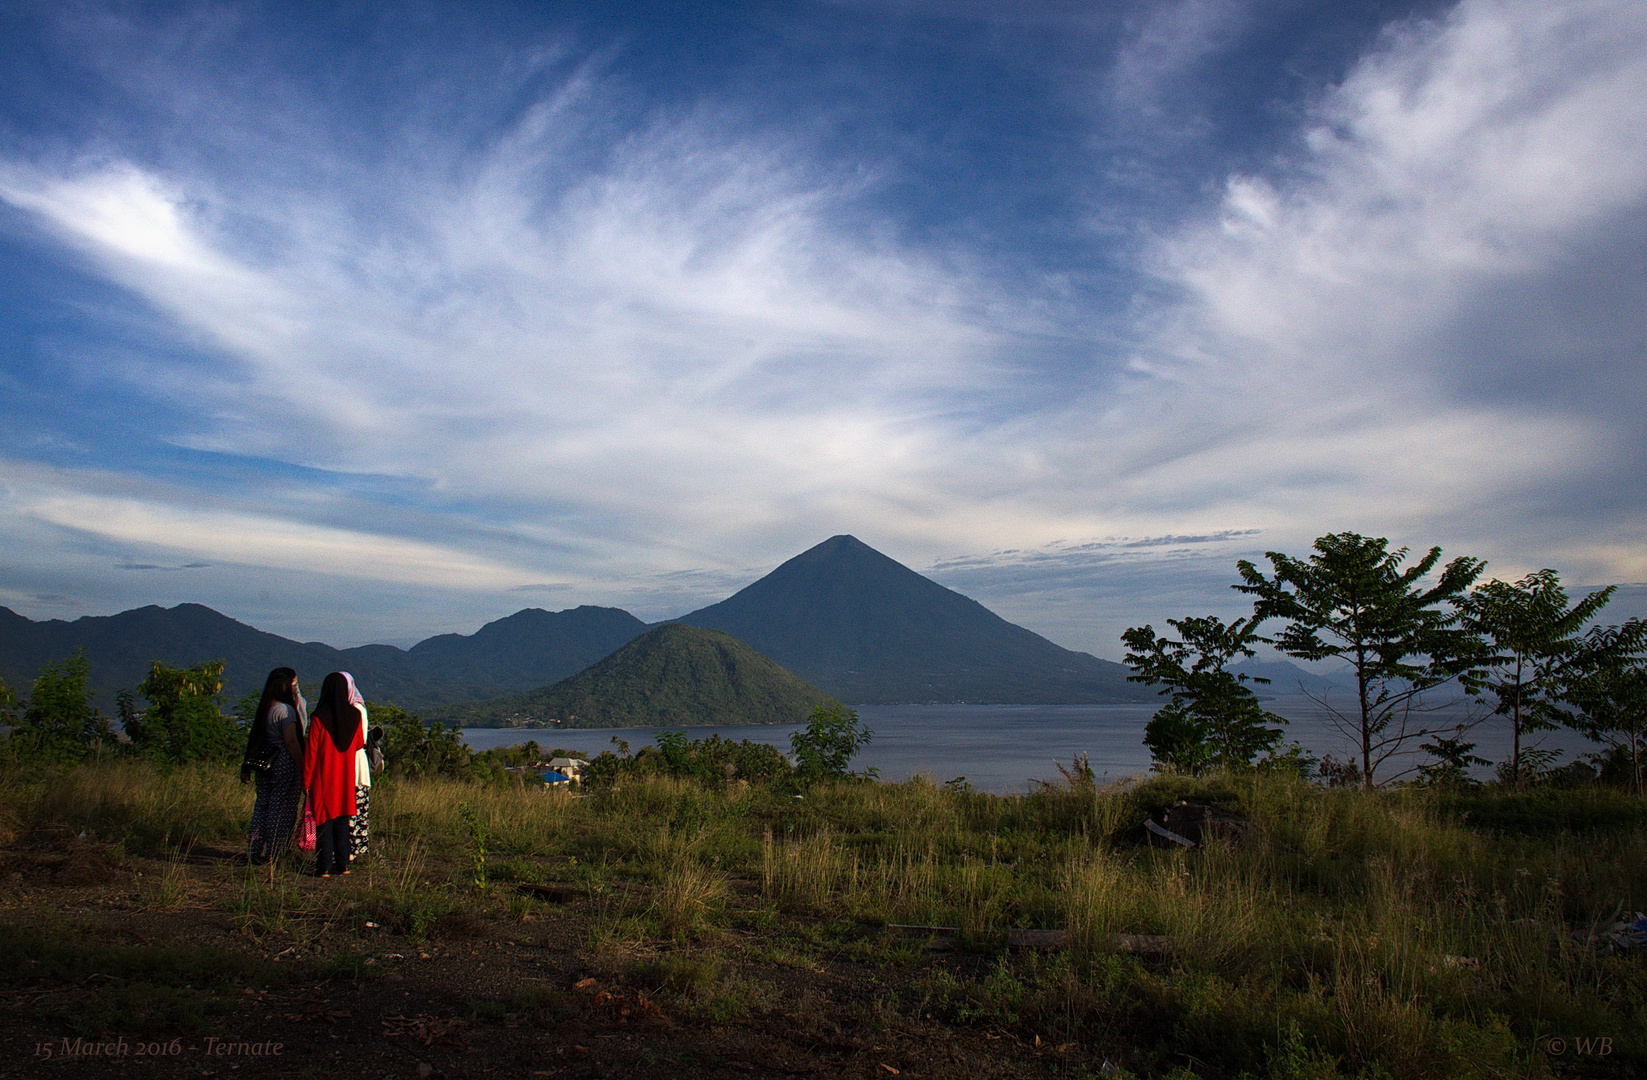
(369, 322)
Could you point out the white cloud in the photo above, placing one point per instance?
(268, 541)
(1474, 147)
(1317, 354)
(1166, 45)
(687, 314)
(121, 211)
(655, 360)
(1322, 368)
(141, 231)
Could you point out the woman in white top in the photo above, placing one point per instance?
(359, 826)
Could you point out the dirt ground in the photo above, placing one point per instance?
(199, 986)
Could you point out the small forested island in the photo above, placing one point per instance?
(671, 676)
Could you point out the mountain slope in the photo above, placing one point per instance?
(529, 648)
(1287, 678)
(870, 630)
(121, 647)
(670, 676)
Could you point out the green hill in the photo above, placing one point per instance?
(670, 676)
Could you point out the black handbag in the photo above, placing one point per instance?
(263, 756)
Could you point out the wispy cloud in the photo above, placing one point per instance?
(1167, 42)
(1490, 151)
(273, 542)
(1079, 556)
(690, 302)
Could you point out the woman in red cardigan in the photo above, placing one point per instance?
(329, 770)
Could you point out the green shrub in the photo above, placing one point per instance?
(59, 724)
(184, 720)
(833, 736)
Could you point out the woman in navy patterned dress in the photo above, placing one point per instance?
(278, 725)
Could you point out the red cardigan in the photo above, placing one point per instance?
(328, 774)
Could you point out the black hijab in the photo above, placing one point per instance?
(336, 712)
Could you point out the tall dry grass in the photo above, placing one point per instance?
(1411, 933)
(146, 808)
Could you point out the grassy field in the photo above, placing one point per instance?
(1416, 932)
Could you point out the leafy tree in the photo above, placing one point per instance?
(126, 710)
(1339, 774)
(522, 753)
(1537, 762)
(1532, 638)
(412, 749)
(1178, 741)
(604, 769)
(184, 720)
(59, 724)
(1353, 601)
(1608, 687)
(833, 735)
(1450, 760)
(715, 759)
(676, 747)
(1214, 719)
(1293, 761)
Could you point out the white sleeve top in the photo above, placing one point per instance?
(363, 764)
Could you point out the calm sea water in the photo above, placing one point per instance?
(1005, 748)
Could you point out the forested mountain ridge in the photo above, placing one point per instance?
(529, 648)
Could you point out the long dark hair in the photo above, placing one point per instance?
(279, 688)
(335, 712)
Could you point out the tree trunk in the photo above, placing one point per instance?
(1515, 728)
(1366, 723)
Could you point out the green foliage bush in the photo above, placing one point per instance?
(713, 760)
(59, 724)
(183, 721)
(833, 736)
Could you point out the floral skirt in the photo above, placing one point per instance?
(358, 823)
(278, 789)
